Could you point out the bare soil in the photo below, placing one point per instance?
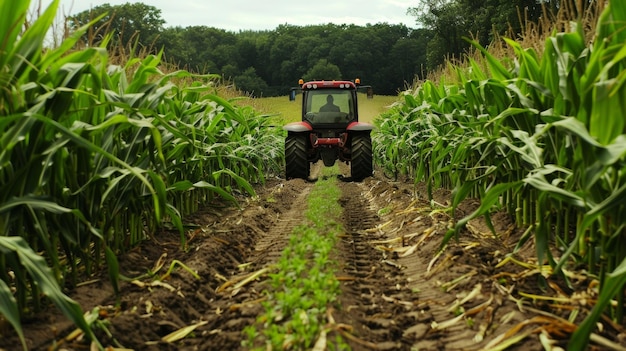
(399, 291)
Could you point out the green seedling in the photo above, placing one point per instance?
(304, 284)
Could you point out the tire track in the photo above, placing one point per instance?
(237, 307)
(416, 226)
(375, 300)
(270, 246)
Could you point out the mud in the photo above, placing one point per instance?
(399, 291)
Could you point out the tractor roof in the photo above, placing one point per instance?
(329, 84)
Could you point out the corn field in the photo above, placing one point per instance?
(541, 136)
(94, 157)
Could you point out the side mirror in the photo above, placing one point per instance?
(293, 92)
(369, 90)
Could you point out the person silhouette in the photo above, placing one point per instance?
(329, 107)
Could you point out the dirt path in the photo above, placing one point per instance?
(375, 299)
(397, 293)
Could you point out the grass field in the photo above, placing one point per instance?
(289, 111)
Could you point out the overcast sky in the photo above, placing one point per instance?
(235, 15)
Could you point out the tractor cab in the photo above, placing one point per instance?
(332, 105)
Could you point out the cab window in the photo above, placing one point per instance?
(328, 100)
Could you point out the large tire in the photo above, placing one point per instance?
(296, 163)
(361, 165)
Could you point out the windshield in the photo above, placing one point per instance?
(329, 106)
(329, 100)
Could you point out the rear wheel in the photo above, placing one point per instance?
(361, 165)
(296, 163)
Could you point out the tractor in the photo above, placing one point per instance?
(329, 130)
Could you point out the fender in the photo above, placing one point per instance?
(298, 127)
(359, 127)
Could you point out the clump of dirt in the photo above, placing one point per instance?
(400, 289)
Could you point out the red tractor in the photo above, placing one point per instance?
(330, 130)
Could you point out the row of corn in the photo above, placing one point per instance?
(541, 135)
(94, 156)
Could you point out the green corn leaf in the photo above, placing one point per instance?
(577, 128)
(241, 182)
(35, 203)
(606, 154)
(176, 220)
(497, 70)
(530, 152)
(477, 71)
(537, 180)
(460, 193)
(613, 152)
(146, 69)
(529, 65)
(27, 51)
(60, 55)
(488, 201)
(610, 24)
(14, 135)
(607, 113)
(221, 192)
(228, 108)
(113, 269)
(613, 285)
(181, 186)
(615, 199)
(13, 16)
(159, 186)
(82, 142)
(37, 268)
(9, 309)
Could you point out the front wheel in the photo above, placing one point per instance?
(361, 165)
(296, 163)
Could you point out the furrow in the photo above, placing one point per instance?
(236, 307)
(375, 300)
(269, 247)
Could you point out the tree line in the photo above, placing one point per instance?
(267, 63)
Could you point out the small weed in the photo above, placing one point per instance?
(384, 211)
(459, 311)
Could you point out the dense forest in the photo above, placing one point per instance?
(267, 63)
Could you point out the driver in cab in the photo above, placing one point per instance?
(330, 106)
